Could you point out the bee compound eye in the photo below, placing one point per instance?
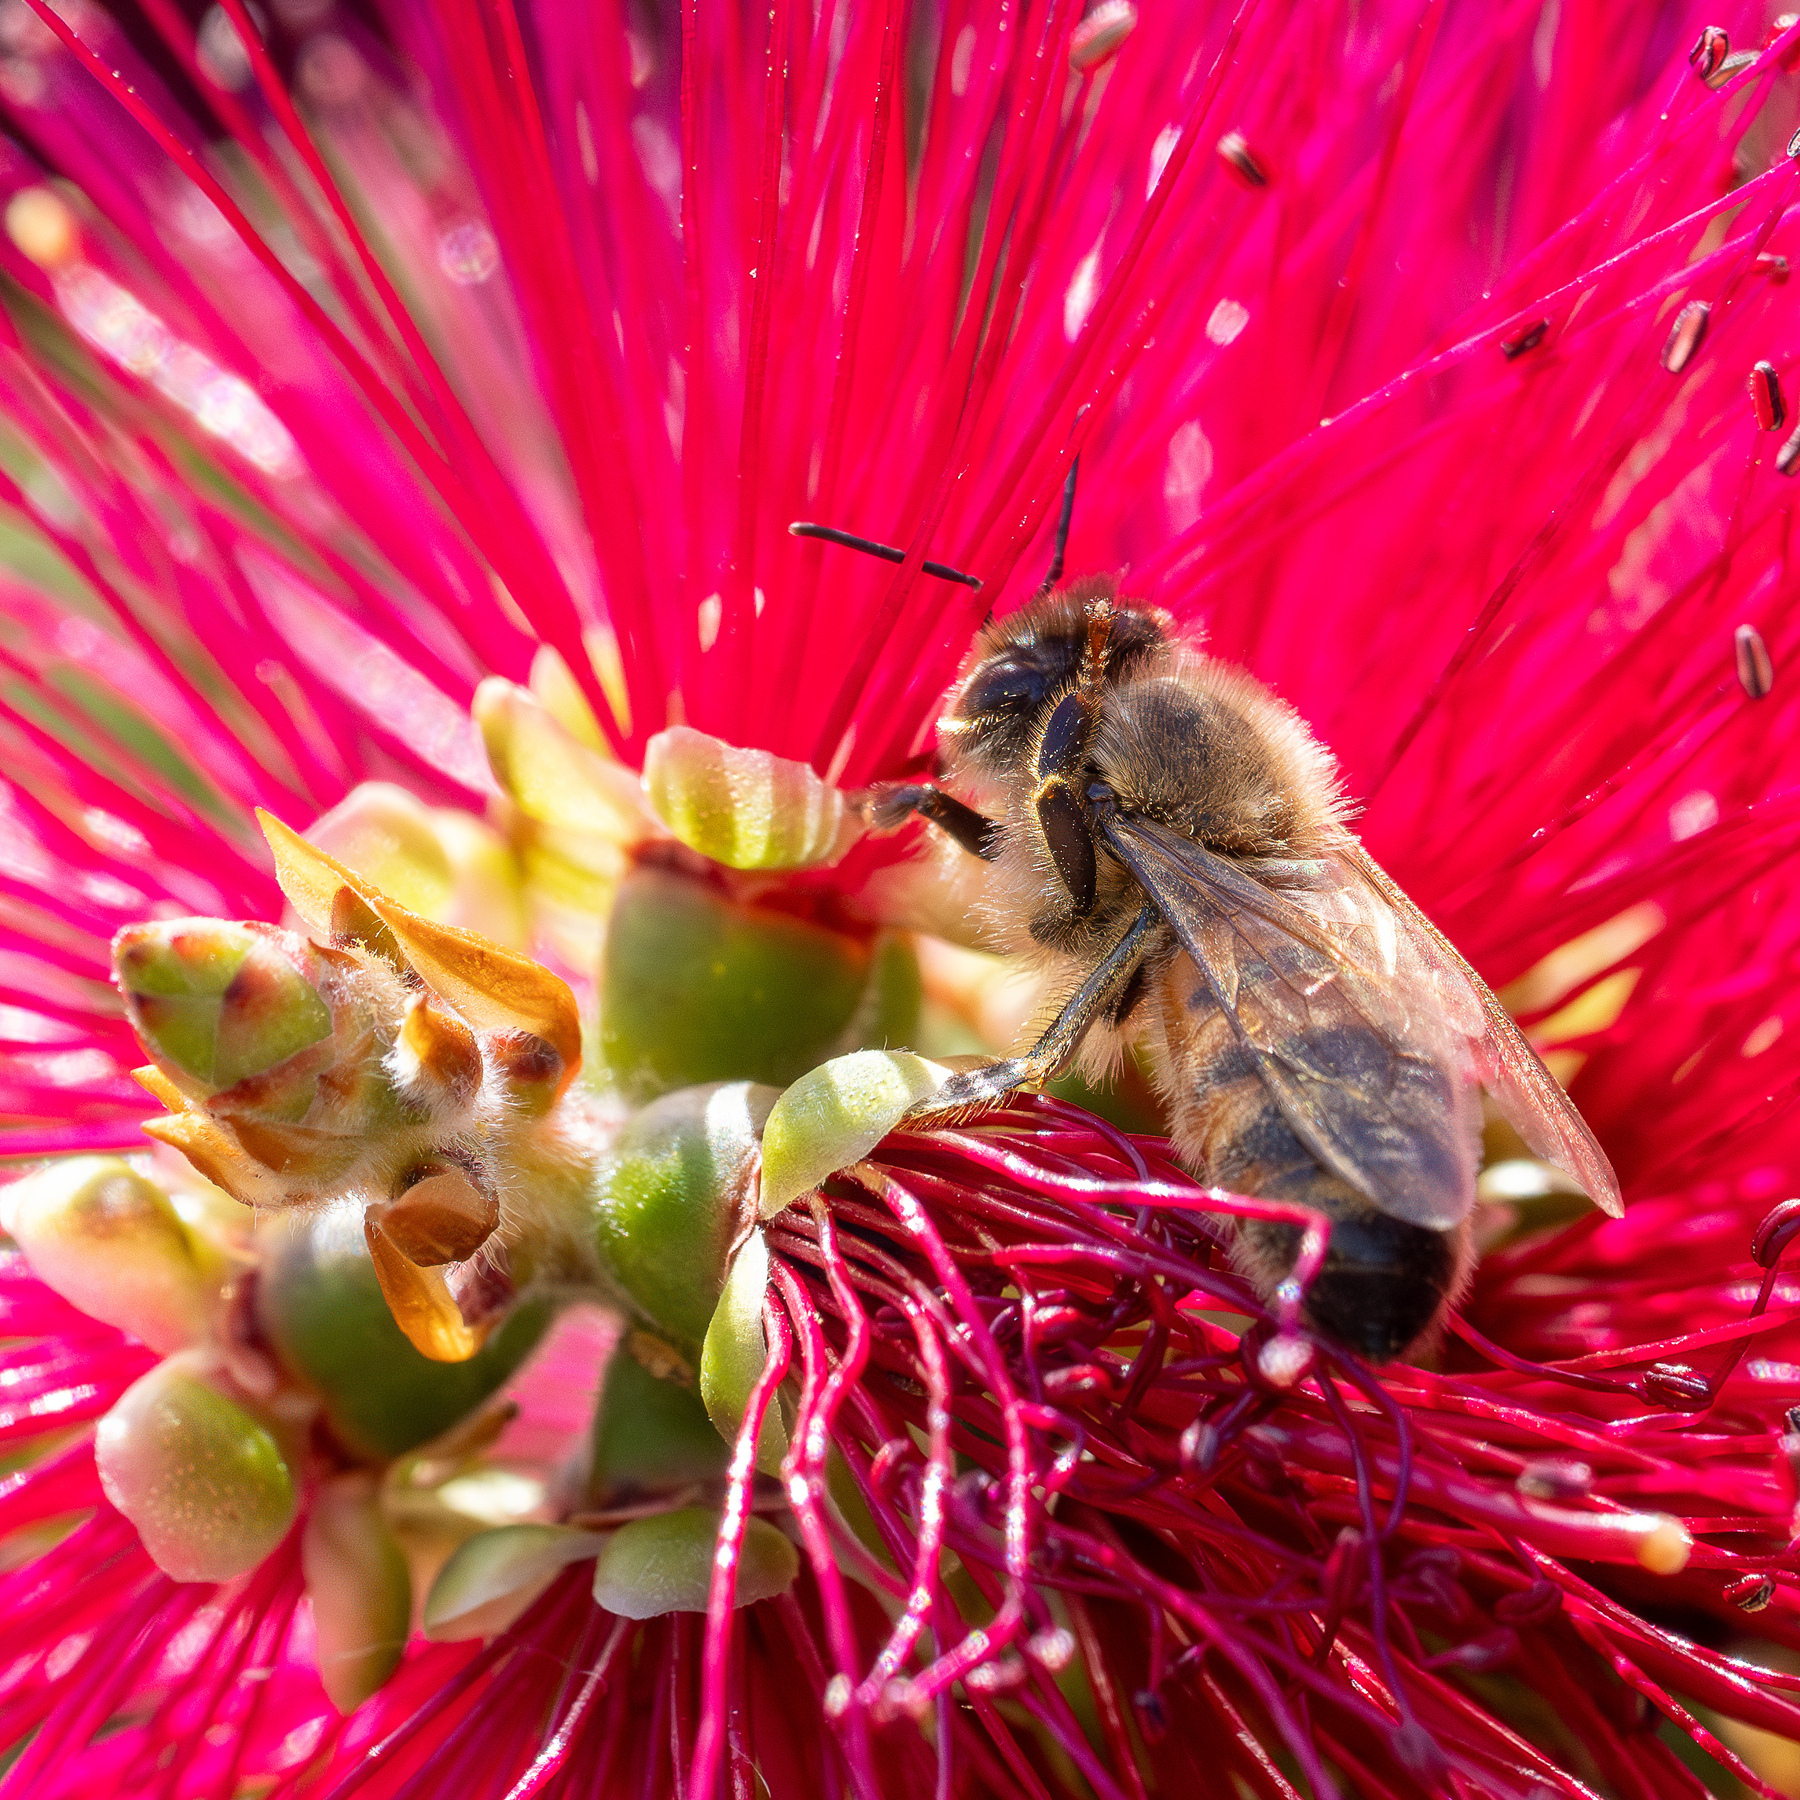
(1004, 688)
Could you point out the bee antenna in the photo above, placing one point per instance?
(1053, 574)
(801, 528)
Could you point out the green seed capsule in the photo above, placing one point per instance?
(651, 1436)
(671, 1195)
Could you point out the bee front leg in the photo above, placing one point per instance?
(1084, 1008)
(886, 809)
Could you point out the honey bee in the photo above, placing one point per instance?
(1173, 841)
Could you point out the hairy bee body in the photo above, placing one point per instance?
(1169, 842)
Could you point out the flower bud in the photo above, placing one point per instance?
(836, 1114)
(361, 1592)
(201, 1477)
(111, 1243)
(216, 1003)
(650, 1436)
(671, 1195)
(664, 1564)
(492, 1577)
(735, 1352)
(319, 1305)
(697, 987)
(746, 809)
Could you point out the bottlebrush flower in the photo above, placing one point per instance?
(1429, 361)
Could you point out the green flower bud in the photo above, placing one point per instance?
(361, 1592)
(320, 1306)
(200, 1476)
(735, 1353)
(835, 1115)
(112, 1243)
(650, 1436)
(746, 809)
(217, 1003)
(492, 1577)
(697, 987)
(670, 1197)
(664, 1564)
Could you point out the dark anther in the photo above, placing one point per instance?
(1710, 49)
(1780, 1226)
(1528, 339)
(1554, 1478)
(1755, 666)
(1241, 160)
(1787, 458)
(1750, 1593)
(1686, 336)
(1765, 397)
(1677, 1387)
(1733, 65)
(1794, 145)
(1152, 1715)
(1530, 1606)
(1773, 265)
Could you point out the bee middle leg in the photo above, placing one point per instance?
(1092, 1001)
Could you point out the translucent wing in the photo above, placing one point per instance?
(1372, 1083)
(1511, 1070)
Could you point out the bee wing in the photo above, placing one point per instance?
(1350, 1067)
(1511, 1070)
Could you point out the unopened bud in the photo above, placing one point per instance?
(202, 1478)
(320, 1308)
(836, 1114)
(492, 1577)
(216, 1003)
(735, 1352)
(697, 987)
(664, 1564)
(441, 1217)
(672, 1194)
(361, 1592)
(111, 1243)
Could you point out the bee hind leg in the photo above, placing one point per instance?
(1090, 1003)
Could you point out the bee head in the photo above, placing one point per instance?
(1023, 664)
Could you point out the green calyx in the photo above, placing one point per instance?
(199, 1475)
(698, 987)
(320, 1306)
(664, 1564)
(651, 1436)
(670, 1198)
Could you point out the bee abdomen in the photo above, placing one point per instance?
(1384, 1281)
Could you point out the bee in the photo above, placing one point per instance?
(1173, 842)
